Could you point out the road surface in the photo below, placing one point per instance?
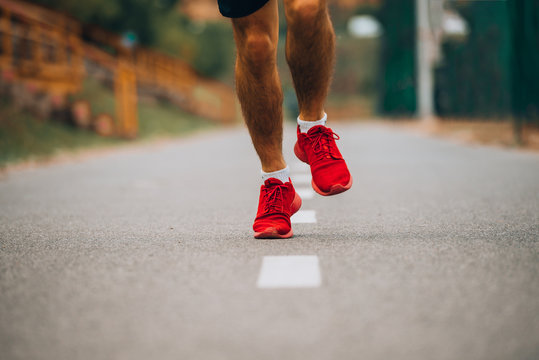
(147, 253)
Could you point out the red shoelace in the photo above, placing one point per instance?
(274, 199)
(322, 142)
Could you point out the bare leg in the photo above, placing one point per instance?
(310, 52)
(258, 85)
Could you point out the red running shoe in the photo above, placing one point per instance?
(329, 171)
(277, 203)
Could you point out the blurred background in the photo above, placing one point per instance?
(86, 74)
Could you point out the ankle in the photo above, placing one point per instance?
(312, 115)
(305, 126)
(269, 167)
(282, 174)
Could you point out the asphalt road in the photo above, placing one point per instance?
(148, 253)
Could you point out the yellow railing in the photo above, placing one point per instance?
(44, 49)
(40, 51)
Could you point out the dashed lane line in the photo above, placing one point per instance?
(304, 217)
(294, 271)
(305, 193)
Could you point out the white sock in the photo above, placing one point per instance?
(304, 126)
(283, 175)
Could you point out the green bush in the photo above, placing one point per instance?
(208, 47)
(473, 79)
(397, 68)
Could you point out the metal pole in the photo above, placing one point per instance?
(424, 54)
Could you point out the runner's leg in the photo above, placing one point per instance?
(310, 52)
(257, 82)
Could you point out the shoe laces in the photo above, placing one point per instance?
(274, 198)
(323, 141)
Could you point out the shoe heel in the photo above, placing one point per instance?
(300, 154)
(296, 204)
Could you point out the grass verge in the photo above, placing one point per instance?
(24, 137)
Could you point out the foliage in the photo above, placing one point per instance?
(208, 47)
(397, 68)
(214, 49)
(474, 77)
(524, 20)
(118, 16)
(356, 66)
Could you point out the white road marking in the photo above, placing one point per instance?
(305, 193)
(298, 271)
(301, 179)
(303, 217)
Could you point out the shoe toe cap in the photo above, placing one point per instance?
(280, 226)
(330, 176)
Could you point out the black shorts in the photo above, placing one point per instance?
(239, 8)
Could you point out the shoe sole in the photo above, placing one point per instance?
(273, 233)
(335, 189)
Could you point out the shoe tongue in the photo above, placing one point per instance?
(272, 182)
(316, 129)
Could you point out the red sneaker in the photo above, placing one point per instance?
(277, 203)
(329, 171)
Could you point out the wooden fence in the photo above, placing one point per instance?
(45, 50)
(40, 48)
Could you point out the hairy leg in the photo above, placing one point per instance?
(310, 52)
(258, 85)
